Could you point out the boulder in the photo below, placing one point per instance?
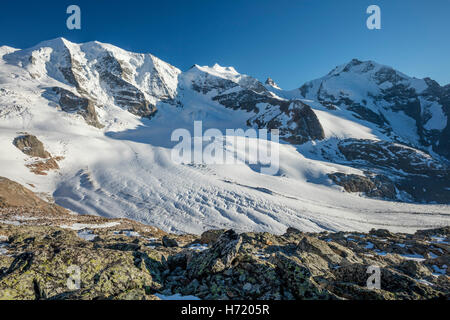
(169, 242)
(218, 258)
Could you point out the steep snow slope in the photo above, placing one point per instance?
(124, 169)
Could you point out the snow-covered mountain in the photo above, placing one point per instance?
(408, 110)
(365, 146)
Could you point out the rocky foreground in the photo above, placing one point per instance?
(42, 244)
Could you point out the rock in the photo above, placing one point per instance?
(382, 233)
(169, 242)
(411, 171)
(415, 269)
(291, 230)
(247, 286)
(41, 167)
(105, 273)
(298, 277)
(304, 125)
(296, 121)
(219, 257)
(211, 236)
(314, 245)
(392, 282)
(125, 94)
(72, 103)
(135, 294)
(433, 232)
(32, 146)
(271, 82)
(377, 187)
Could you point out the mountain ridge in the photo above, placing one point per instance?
(110, 114)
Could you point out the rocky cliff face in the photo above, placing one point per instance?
(295, 120)
(122, 259)
(72, 103)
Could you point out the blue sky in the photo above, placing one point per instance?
(292, 41)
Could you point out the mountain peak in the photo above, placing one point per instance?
(6, 50)
(53, 43)
(219, 68)
(272, 83)
(355, 65)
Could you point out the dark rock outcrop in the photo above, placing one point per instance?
(372, 186)
(72, 103)
(31, 145)
(169, 242)
(218, 258)
(391, 165)
(126, 95)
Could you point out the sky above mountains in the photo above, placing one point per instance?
(289, 41)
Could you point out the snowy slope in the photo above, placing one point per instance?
(124, 167)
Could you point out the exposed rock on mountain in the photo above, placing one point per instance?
(389, 99)
(126, 95)
(33, 147)
(70, 102)
(30, 145)
(391, 155)
(295, 120)
(412, 171)
(372, 186)
(272, 83)
(136, 82)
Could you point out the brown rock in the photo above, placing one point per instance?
(30, 145)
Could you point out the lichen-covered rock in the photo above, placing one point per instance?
(415, 269)
(298, 278)
(42, 267)
(219, 257)
(169, 242)
(211, 236)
